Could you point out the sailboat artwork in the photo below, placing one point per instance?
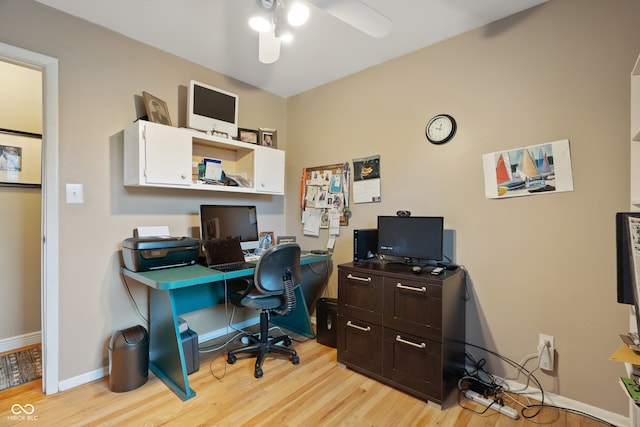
(543, 168)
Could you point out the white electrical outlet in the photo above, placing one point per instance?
(546, 352)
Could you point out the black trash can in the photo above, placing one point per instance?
(327, 321)
(128, 359)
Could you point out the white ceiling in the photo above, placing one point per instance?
(215, 34)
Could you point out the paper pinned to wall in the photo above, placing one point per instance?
(311, 219)
(334, 223)
(366, 180)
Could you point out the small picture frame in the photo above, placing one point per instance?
(271, 236)
(268, 137)
(286, 239)
(248, 135)
(156, 108)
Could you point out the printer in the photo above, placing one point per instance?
(145, 253)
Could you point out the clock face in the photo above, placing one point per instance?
(440, 129)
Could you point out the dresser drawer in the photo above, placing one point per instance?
(414, 307)
(360, 295)
(413, 362)
(359, 344)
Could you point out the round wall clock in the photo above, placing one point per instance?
(440, 129)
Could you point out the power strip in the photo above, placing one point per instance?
(505, 410)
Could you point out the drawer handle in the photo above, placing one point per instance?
(411, 288)
(361, 279)
(421, 345)
(367, 329)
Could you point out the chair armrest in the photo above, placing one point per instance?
(241, 286)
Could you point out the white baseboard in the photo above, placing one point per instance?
(224, 331)
(565, 402)
(20, 341)
(83, 379)
(104, 371)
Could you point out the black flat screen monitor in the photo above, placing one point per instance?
(225, 222)
(624, 264)
(414, 237)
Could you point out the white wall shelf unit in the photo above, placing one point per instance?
(157, 155)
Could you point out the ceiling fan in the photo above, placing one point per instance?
(275, 18)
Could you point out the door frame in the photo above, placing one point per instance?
(49, 280)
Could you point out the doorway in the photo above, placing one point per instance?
(49, 217)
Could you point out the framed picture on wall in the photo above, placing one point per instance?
(156, 108)
(20, 159)
(268, 137)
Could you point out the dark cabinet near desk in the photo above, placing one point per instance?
(401, 328)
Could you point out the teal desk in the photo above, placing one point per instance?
(175, 291)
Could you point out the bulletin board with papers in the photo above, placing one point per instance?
(324, 198)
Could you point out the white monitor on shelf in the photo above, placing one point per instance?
(212, 110)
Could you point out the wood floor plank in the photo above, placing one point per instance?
(317, 392)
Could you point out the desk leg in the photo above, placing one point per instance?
(166, 356)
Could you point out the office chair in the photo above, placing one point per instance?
(272, 291)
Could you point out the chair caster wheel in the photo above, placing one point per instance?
(295, 360)
(231, 359)
(258, 373)
(287, 342)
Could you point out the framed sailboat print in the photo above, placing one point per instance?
(526, 171)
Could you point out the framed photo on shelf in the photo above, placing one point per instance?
(156, 108)
(270, 234)
(268, 137)
(248, 135)
(20, 159)
(286, 239)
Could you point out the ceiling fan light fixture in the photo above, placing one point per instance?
(298, 14)
(285, 36)
(260, 24)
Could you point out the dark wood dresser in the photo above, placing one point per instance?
(401, 328)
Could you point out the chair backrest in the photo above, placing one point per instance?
(276, 263)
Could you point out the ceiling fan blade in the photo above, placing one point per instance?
(268, 47)
(357, 14)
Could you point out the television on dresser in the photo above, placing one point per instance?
(228, 221)
(414, 238)
(212, 110)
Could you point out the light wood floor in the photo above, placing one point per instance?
(317, 392)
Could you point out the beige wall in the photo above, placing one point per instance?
(539, 264)
(102, 76)
(21, 110)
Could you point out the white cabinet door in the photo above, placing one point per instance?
(167, 155)
(269, 170)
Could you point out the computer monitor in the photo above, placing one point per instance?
(628, 255)
(413, 238)
(211, 109)
(624, 264)
(225, 222)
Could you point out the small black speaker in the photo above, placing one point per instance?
(623, 258)
(327, 321)
(365, 244)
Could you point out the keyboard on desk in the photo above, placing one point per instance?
(233, 266)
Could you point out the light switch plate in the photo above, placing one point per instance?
(74, 193)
